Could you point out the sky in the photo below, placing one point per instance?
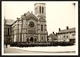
(58, 14)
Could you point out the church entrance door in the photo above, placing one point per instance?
(31, 39)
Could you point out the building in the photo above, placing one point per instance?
(53, 37)
(66, 35)
(7, 30)
(31, 27)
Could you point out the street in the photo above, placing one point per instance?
(13, 50)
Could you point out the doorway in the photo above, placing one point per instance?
(31, 39)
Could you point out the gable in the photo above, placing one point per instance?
(41, 19)
(31, 16)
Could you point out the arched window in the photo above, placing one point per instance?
(67, 36)
(8, 31)
(42, 37)
(64, 36)
(41, 27)
(40, 9)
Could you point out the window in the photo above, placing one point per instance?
(31, 24)
(8, 31)
(41, 27)
(40, 9)
(64, 36)
(73, 34)
(67, 36)
(42, 37)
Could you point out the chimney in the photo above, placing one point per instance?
(59, 29)
(67, 27)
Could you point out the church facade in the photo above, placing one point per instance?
(31, 27)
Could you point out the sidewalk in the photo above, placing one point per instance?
(48, 49)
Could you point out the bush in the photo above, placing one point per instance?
(64, 43)
(24, 44)
(13, 43)
(21, 44)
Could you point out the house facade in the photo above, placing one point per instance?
(7, 30)
(52, 37)
(66, 35)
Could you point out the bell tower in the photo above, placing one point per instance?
(40, 10)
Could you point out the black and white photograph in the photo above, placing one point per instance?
(39, 28)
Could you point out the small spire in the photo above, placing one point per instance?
(32, 12)
(28, 11)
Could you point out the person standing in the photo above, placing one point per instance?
(6, 44)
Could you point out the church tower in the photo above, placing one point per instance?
(40, 10)
(40, 13)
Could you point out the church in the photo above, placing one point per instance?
(31, 28)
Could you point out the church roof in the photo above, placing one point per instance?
(26, 14)
(67, 30)
(42, 20)
(9, 21)
(30, 15)
(39, 3)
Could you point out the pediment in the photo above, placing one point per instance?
(42, 19)
(31, 16)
